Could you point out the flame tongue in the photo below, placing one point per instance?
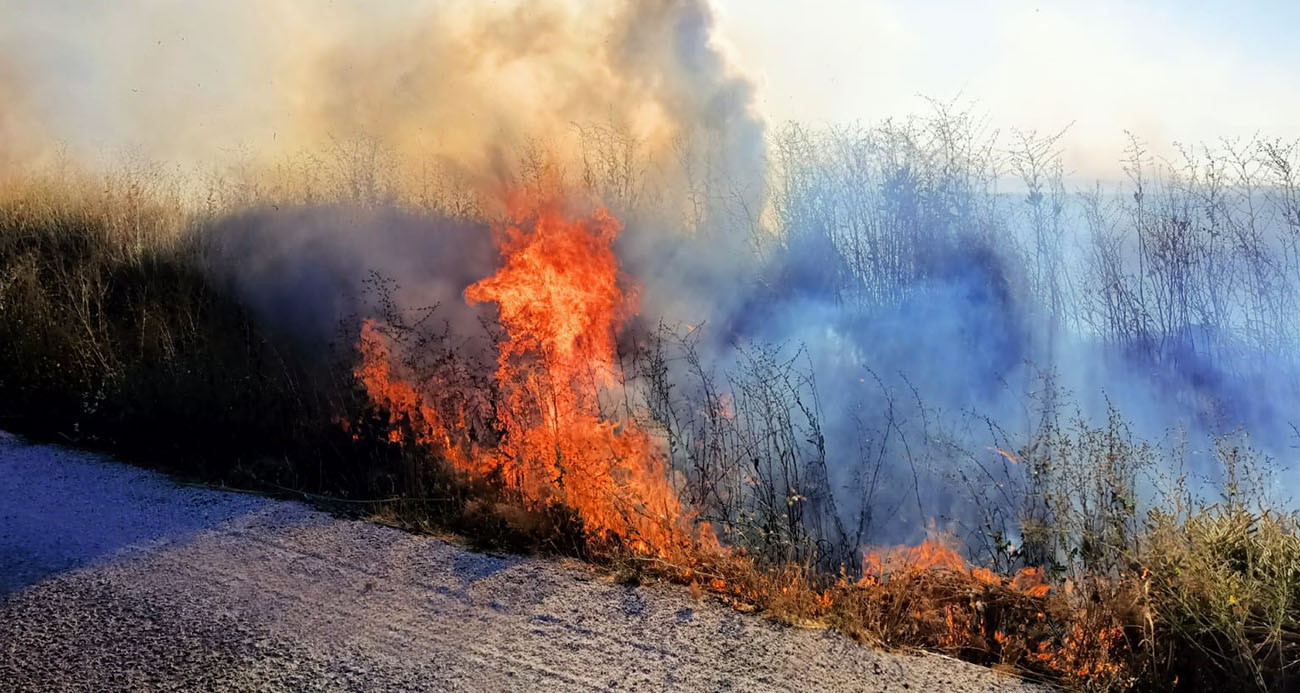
(559, 302)
(558, 299)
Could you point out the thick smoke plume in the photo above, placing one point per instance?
(633, 102)
(462, 84)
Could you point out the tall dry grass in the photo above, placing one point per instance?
(112, 335)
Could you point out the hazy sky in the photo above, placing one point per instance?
(1177, 70)
(1174, 70)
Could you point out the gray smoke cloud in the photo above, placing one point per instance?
(313, 272)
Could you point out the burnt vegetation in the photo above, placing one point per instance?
(969, 498)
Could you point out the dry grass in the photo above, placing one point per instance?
(1224, 588)
(111, 335)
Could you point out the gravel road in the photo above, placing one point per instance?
(116, 578)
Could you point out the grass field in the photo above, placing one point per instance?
(116, 333)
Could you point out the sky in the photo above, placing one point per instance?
(1186, 71)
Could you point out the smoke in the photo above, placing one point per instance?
(21, 139)
(877, 270)
(313, 272)
(635, 102)
(366, 97)
(472, 83)
(460, 83)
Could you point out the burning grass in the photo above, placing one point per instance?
(553, 445)
(560, 305)
(112, 335)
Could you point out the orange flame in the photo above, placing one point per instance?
(551, 442)
(405, 406)
(930, 555)
(560, 303)
(559, 300)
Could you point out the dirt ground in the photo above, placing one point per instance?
(116, 578)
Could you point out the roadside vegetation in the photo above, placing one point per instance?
(1070, 550)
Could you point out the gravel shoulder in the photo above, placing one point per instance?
(117, 578)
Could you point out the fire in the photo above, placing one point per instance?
(404, 405)
(933, 555)
(560, 304)
(930, 554)
(552, 443)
